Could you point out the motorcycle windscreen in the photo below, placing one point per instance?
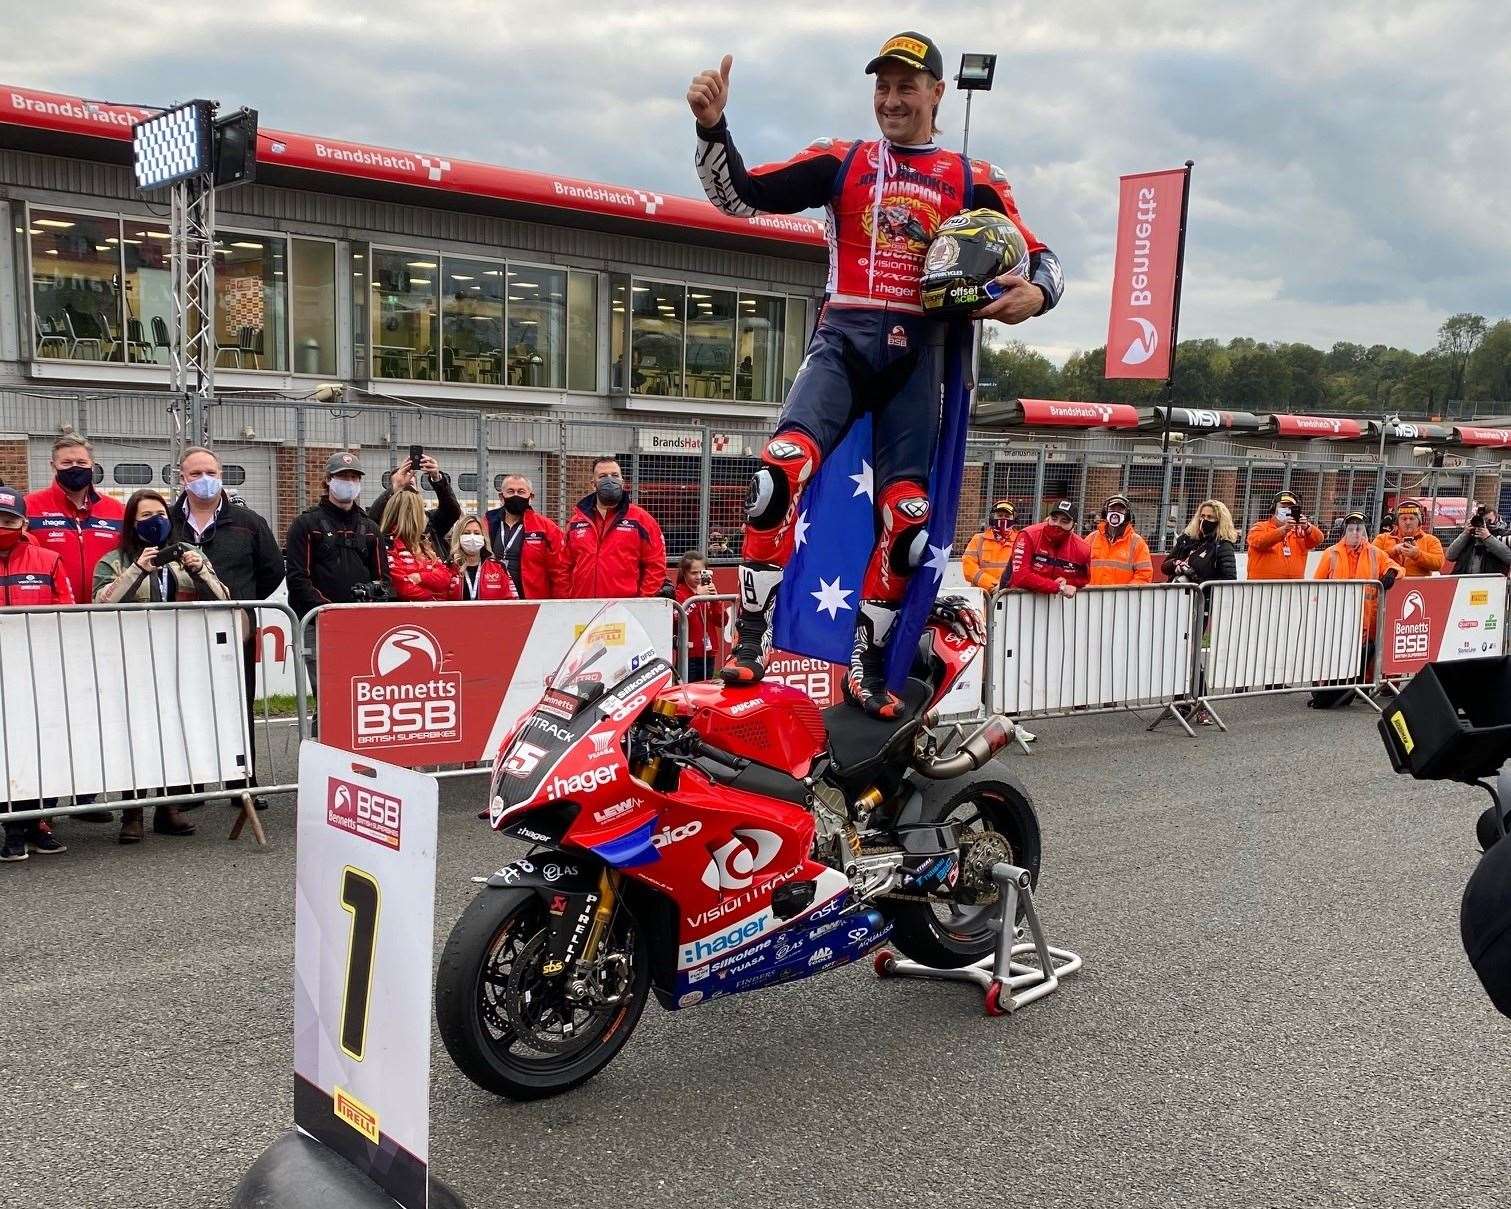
(611, 660)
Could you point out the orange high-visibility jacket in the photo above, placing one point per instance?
(1124, 561)
(1424, 560)
(1273, 555)
(1367, 562)
(987, 558)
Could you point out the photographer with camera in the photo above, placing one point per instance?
(333, 547)
(147, 568)
(1279, 544)
(705, 619)
(1411, 546)
(448, 509)
(1481, 548)
(1206, 550)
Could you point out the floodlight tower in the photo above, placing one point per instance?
(189, 152)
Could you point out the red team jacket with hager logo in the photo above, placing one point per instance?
(883, 203)
(81, 539)
(33, 575)
(622, 554)
(1038, 566)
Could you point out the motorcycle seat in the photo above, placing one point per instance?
(858, 741)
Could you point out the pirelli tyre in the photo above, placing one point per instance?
(512, 1030)
(997, 822)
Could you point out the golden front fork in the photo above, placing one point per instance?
(603, 915)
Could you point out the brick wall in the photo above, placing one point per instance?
(287, 471)
(13, 469)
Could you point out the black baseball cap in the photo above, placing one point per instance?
(1354, 518)
(912, 50)
(1066, 507)
(13, 502)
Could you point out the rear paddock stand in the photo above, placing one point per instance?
(1009, 983)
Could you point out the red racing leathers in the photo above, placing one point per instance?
(622, 554)
(1042, 558)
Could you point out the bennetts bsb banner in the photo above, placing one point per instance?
(1143, 275)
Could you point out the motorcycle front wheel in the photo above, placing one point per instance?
(512, 1030)
(997, 822)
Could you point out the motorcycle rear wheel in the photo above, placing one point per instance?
(489, 982)
(948, 934)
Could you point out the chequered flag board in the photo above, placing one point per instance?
(172, 145)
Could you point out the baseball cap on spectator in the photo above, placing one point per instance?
(340, 462)
(1409, 506)
(1004, 506)
(12, 502)
(1354, 518)
(911, 50)
(1286, 498)
(1066, 508)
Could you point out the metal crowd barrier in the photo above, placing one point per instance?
(1103, 649)
(720, 649)
(149, 683)
(1284, 636)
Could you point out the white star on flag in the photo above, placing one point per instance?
(831, 597)
(940, 560)
(862, 482)
(802, 530)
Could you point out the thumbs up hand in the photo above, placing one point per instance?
(709, 92)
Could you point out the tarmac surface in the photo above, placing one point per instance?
(1275, 1011)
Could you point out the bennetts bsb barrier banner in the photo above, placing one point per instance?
(1442, 618)
(1145, 262)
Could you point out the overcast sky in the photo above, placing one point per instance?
(1352, 176)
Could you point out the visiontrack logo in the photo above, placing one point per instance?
(408, 698)
(735, 863)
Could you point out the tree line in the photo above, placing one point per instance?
(1469, 367)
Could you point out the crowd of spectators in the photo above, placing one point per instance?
(68, 543)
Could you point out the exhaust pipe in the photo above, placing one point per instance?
(995, 733)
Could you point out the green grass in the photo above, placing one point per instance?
(280, 705)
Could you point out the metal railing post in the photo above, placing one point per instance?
(705, 484)
(1163, 529)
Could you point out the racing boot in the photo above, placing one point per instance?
(747, 660)
(866, 682)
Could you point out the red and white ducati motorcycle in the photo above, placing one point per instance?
(698, 841)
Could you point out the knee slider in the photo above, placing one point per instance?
(789, 462)
(904, 511)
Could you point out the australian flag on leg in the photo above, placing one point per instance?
(836, 532)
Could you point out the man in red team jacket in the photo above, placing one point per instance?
(525, 542)
(613, 547)
(1050, 557)
(72, 519)
(29, 575)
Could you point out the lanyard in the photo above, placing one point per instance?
(471, 574)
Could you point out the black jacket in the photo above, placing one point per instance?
(1211, 558)
(1472, 555)
(443, 516)
(330, 550)
(239, 545)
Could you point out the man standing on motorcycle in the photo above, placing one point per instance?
(872, 349)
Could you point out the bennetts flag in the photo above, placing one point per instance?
(1144, 274)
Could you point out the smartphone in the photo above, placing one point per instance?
(416, 456)
(707, 577)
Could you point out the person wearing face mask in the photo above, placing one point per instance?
(989, 554)
(1207, 550)
(333, 546)
(528, 544)
(614, 548)
(133, 574)
(243, 550)
(30, 574)
(1279, 544)
(1119, 553)
(478, 575)
(1411, 546)
(1354, 557)
(1051, 557)
(71, 518)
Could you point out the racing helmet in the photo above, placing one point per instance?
(967, 252)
